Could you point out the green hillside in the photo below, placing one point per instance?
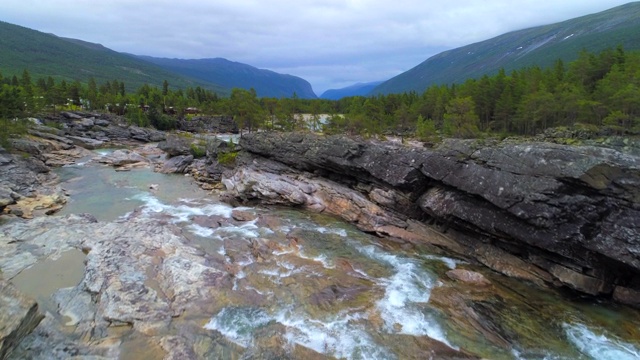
(541, 46)
(232, 74)
(66, 59)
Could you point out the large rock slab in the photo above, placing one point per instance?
(569, 214)
(18, 317)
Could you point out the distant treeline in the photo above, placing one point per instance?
(596, 90)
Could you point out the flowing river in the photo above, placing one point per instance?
(311, 281)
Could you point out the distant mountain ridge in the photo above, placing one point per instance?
(232, 74)
(359, 89)
(73, 59)
(69, 59)
(541, 45)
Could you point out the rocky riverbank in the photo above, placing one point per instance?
(547, 213)
(551, 214)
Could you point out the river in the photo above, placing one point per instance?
(319, 283)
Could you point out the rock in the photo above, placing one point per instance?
(581, 282)
(241, 215)
(213, 124)
(70, 115)
(7, 196)
(146, 134)
(627, 296)
(469, 277)
(176, 145)
(176, 164)
(83, 124)
(123, 157)
(576, 207)
(86, 143)
(18, 318)
(138, 273)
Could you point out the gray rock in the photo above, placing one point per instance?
(176, 145)
(176, 164)
(576, 207)
(86, 143)
(18, 318)
(138, 273)
(122, 157)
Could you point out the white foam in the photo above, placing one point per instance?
(324, 230)
(238, 324)
(326, 263)
(200, 230)
(246, 230)
(599, 346)
(184, 211)
(449, 262)
(404, 291)
(341, 336)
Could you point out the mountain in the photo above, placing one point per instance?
(541, 46)
(233, 74)
(359, 89)
(69, 59)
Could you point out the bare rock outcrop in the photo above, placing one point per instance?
(18, 318)
(548, 213)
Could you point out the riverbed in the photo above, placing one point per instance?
(306, 284)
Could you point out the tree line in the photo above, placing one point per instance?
(596, 90)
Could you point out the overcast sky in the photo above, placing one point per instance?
(330, 43)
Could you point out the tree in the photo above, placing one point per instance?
(460, 120)
(426, 130)
(245, 109)
(165, 88)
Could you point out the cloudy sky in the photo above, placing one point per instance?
(330, 43)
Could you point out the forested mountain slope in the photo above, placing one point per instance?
(75, 60)
(541, 46)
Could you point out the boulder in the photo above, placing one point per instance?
(122, 157)
(175, 145)
(176, 164)
(18, 318)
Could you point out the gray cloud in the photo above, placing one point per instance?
(331, 43)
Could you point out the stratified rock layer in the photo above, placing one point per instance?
(18, 317)
(548, 213)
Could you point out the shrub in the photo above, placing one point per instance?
(227, 159)
(198, 151)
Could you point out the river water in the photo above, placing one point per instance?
(315, 282)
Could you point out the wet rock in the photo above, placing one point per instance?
(469, 277)
(627, 296)
(580, 282)
(123, 157)
(177, 348)
(212, 221)
(336, 293)
(18, 318)
(241, 215)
